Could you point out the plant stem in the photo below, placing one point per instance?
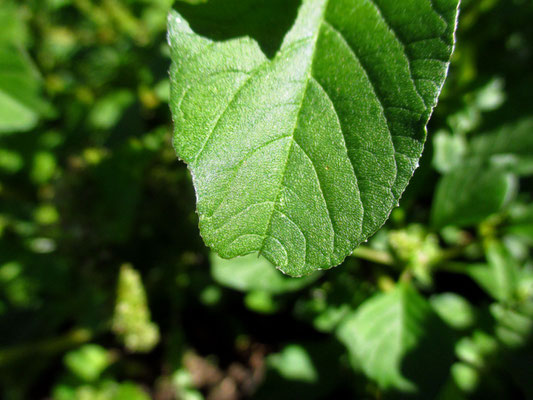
(47, 346)
(377, 256)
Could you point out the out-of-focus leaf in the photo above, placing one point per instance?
(261, 302)
(307, 370)
(10, 161)
(21, 104)
(194, 1)
(465, 376)
(470, 193)
(108, 110)
(44, 167)
(478, 349)
(514, 330)
(326, 304)
(500, 277)
(88, 362)
(455, 310)
(13, 30)
(399, 341)
(450, 391)
(253, 273)
(129, 391)
(449, 151)
(515, 326)
(294, 363)
(107, 390)
(521, 222)
(510, 146)
(325, 316)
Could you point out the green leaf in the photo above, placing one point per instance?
(88, 362)
(510, 145)
(501, 276)
(129, 391)
(485, 182)
(514, 325)
(294, 363)
(470, 193)
(521, 222)
(107, 112)
(455, 310)
(449, 151)
(253, 273)
(261, 302)
(465, 376)
(20, 101)
(311, 370)
(303, 156)
(399, 341)
(14, 30)
(106, 390)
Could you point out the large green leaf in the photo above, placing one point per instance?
(398, 340)
(303, 156)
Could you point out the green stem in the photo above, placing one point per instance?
(44, 347)
(377, 256)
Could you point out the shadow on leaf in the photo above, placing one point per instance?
(266, 21)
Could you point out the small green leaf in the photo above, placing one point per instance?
(449, 151)
(500, 277)
(478, 349)
(465, 376)
(10, 161)
(521, 221)
(88, 362)
(470, 193)
(303, 156)
(107, 111)
(294, 363)
(260, 302)
(253, 273)
(455, 310)
(514, 324)
(399, 341)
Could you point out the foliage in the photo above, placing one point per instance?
(96, 212)
(312, 149)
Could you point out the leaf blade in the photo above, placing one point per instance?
(284, 161)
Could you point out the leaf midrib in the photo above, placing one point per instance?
(276, 206)
(293, 141)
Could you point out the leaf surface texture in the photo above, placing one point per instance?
(303, 156)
